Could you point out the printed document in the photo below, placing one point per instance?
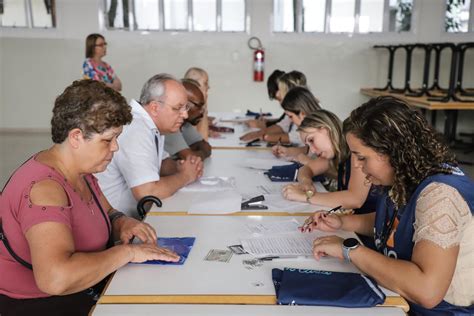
(287, 245)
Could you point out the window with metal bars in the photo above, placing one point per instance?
(459, 17)
(177, 15)
(28, 13)
(342, 16)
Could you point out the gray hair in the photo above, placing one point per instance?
(195, 73)
(154, 88)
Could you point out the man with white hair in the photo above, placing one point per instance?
(141, 167)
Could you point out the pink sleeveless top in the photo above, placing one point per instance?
(88, 226)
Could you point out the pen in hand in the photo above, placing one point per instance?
(310, 220)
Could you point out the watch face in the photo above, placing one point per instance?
(350, 242)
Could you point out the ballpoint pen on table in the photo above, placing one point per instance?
(309, 221)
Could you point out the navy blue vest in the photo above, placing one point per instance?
(403, 244)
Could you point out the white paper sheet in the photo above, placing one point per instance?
(223, 202)
(278, 202)
(287, 245)
(264, 163)
(288, 226)
(211, 184)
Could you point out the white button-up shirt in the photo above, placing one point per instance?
(138, 161)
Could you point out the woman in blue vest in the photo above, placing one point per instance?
(423, 227)
(322, 132)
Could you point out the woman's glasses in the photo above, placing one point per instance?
(101, 44)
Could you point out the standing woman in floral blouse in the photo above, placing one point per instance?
(94, 67)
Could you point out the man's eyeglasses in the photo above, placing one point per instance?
(177, 109)
(101, 44)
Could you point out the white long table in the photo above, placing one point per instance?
(230, 163)
(205, 282)
(232, 140)
(237, 310)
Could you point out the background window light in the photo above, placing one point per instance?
(400, 12)
(176, 14)
(314, 15)
(42, 13)
(117, 14)
(342, 16)
(371, 16)
(14, 13)
(204, 15)
(146, 15)
(283, 16)
(233, 15)
(457, 16)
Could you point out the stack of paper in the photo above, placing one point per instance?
(217, 195)
(216, 202)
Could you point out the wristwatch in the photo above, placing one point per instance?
(309, 195)
(348, 245)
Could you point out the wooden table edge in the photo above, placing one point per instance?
(390, 301)
(152, 213)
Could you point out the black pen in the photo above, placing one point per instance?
(337, 208)
(309, 221)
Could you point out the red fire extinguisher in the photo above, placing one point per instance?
(258, 58)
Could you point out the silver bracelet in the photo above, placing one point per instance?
(115, 215)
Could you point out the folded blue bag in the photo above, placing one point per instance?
(257, 114)
(181, 245)
(325, 288)
(286, 173)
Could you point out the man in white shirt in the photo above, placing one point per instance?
(141, 167)
(188, 141)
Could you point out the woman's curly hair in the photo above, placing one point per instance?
(415, 150)
(90, 106)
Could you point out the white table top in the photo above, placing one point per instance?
(230, 163)
(237, 310)
(208, 281)
(231, 140)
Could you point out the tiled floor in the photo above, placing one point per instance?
(15, 148)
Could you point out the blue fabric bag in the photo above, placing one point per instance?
(325, 288)
(181, 245)
(286, 173)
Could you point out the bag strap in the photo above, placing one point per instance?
(110, 241)
(4, 239)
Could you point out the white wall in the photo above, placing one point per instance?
(36, 65)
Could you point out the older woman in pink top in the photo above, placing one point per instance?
(58, 225)
(94, 67)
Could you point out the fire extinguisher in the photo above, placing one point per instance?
(258, 58)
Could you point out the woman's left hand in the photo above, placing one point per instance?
(328, 246)
(129, 227)
(293, 192)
